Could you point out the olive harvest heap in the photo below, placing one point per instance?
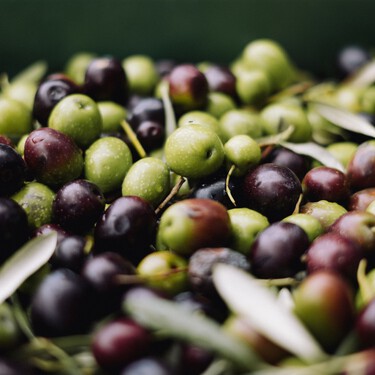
(169, 218)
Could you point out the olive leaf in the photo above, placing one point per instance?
(170, 119)
(33, 73)
(27, 260)
(260, 306)
(174, 321)
(344, 119)
(276, 138)
(316, 152)
(364, 77)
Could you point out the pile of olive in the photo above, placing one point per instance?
(151, 172)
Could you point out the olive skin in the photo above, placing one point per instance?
(78, 205)
(364, 325)
(62, 305)
(325, 304)
(52, 157)
(13, 227)
(120, 342)
(12, 170)
(128, 227)
(264, 185)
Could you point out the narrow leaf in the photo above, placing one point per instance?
(174, 321)
(364, 77)
(345, 119)
(170, 119)
(33, 73)
(276, 138)
(316, 152)
(27, 260)
(246, 297)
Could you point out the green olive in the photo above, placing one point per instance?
(310, 224)
(270, 57)
(243, 152)
(343, 151)
(112, 115)
(15, 119)
(240, 122)
(253, 86)
(368, 100)
(107, 161)
(200, 118)
(77, 65)
(141, 73)
(278, 116)
(149, 179)
(349, 97)
(21, 144)
(165, 271)
(22, 91)
(246, 224)
(36, 199)
(219, 103)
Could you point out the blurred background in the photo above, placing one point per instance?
(311, 31)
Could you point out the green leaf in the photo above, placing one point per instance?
(344, 119)
(276, 138)
(316, 152)
(170, 119)
(33, 73)
(27, 260)
(260, 307)
(364, 77)
(173, 321)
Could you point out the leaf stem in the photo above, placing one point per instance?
(173, 192)
(133, 139)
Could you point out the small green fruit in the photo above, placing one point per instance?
(193, 151)
(200, 118)
(253, 86)
(310, 224)
(149, 179)
(107, 161)
(219, 103)
(79, 117)
(77, 65)
(112, 115)
(246, 224)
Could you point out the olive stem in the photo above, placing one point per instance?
(227, 189)
(21, 318)
(170, 118)
(133, 139)
(173, 192)
(363, 283)
(286, 281)
(298, 204)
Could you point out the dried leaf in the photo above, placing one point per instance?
(316, 152)
(27, 260)
(260, 306)
(344, 119)
(174, 321)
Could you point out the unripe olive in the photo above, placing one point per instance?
(310, 224)
(77, 65)
(343, 151)
(112, 115)
(107, 161)
(219, 103)
(368, 100)
(278, 116)
(149, 179)
(200, 118)
(36, 199)
(253, 86)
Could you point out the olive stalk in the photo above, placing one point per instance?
(133, 139)
(227, 189)
(172, 193)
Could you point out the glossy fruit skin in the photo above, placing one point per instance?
(52, 157)
(201, 265)
(120, 342)
(277, 250)
(13, 227)
(325, 183)
(146, 109)
(151, 135)
(49, 93)
(78, 205)
(308, 223)
(112, 114)
(333, 252)
(165, 271)
(128, 227)
(264, 185)
(107, 161)
(12, 170)
(105, 79)
(193, 151)
(62, 305)
(100, 271)
(361, 168)
(325, 304)
(191, 224)
(287, 158)
(361, 199)
(69, 253)
(221, 79)
(188, 87)
(358, 226)
(364, 326)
